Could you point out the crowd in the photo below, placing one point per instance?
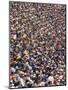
(37, 45)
